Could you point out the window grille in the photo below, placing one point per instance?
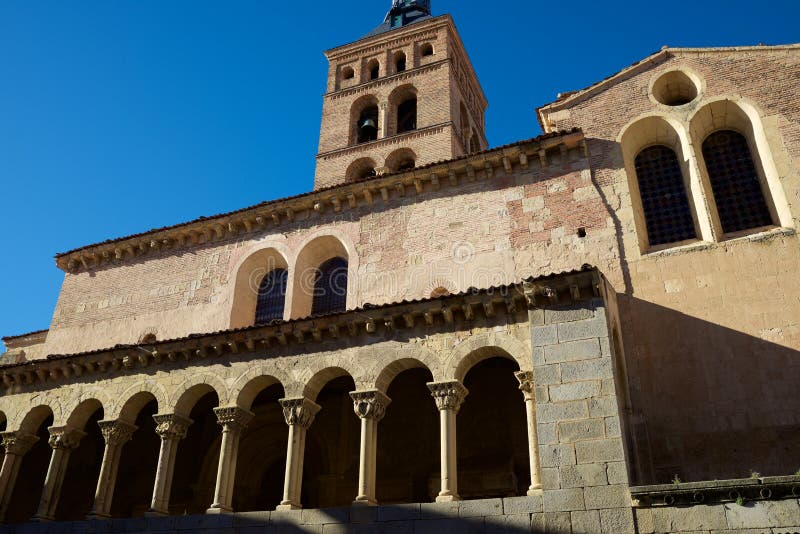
(330, 288)
(666, 206)
(735, 183)
(271, 297)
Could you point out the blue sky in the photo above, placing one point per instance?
(117, 117)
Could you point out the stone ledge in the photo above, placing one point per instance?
(717, 491)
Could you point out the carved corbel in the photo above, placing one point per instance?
(418, 186)
(470, 172)
(409, 320)
(290, 215)
(352, 201)
(489, 169)
(368, 196)
(400, 188)
(370, 326)
(507, 167)
(334, 331)
(451, 175)
(435, 181)
(337, 204)
(543, 158)
(523, 160)
(385, 194)
(248, 225)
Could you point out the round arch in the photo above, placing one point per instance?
(35, 417)
(247, 388)
(363, 107)
(135, 398)
(314, 252)
(400, 160)
(81, 414)
(321, 378)
(397, 97)
(360, 169)
(187, 395)
(247, 276)
(465, 356)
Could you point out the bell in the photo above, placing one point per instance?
(369, 124)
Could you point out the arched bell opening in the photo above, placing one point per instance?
(261, 463)
(408, 442)
(30, 479)
(80, 481)
(133, 490)
(330, 476)
(492, 433)
(197, 459)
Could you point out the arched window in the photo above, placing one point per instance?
(373, 70)
(735, 182)
(426, 50)
(407, 116)
(399, 62)
(367, 125)
(667, 214)
(330, 287)
(348, 73)
(271, 297)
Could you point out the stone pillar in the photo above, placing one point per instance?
(233, 421)
(370, 407)
(526, 385)
(172, 429)
(63, 441)
(116, 435)
(448, 397)
(299, 414)
(16, 444)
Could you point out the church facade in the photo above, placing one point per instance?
(592, 331)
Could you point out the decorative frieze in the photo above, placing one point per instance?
(299, 412)
(370, 404)
(448, 395)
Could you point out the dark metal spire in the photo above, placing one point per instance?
(403, 13)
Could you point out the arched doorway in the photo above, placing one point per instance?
(408, 442)
(492, 433)
(133, 490)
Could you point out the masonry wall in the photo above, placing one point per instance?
(710, 332)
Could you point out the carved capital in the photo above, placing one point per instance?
(448, 395)
(65, 438)
(233, 418)
(300, 411)
(525, 379)
(18, 443)
(370, 404)
(117, 432)
(172, 426)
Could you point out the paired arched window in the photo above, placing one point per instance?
(399, 62)
(330, 287)
(367, 125)
(271, 297)
(667, 214)
(735, 182)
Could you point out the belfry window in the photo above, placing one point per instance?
(330, 287)
(735, 182)
(400, 62)
(666, 206)
(367, 126)
(407, 116)
(271, 297)
(373, 69)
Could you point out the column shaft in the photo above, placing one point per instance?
(63, 441)
(526, 385)
(299, 414)
(16, 444)
(172, 429)
(448, 396)
(233, 420)
(116, 434)
(370, 407)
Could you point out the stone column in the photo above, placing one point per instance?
(16, 444)
(526, 385)
(63, 441)
(448, 397)
(172, 429)
(299, 414)
(116, 435)
(370, 407)
(233, 420)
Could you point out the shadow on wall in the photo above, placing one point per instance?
(713, 403)
(419, 519)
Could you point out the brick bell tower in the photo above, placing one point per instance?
(403, 96)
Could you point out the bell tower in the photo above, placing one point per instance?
(403, 96)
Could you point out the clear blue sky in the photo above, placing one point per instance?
(117, 117)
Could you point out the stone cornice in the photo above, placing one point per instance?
(717, 491)
(375, 193)
(399, 36)
(402, 138)
(469, 309)
(366, 87)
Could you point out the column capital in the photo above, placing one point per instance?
(62, 437)
(300, 411)
(117, 432)
(18, 442)
(370, 404)
(448, 395)
(171, 426)
(526, 385)
(233, 418)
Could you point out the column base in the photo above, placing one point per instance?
(219, 509)
(42, 519)
(94, 516)
(535, 491)
(155, 513)
(364, 502)
(447, 498)
(285, 506)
